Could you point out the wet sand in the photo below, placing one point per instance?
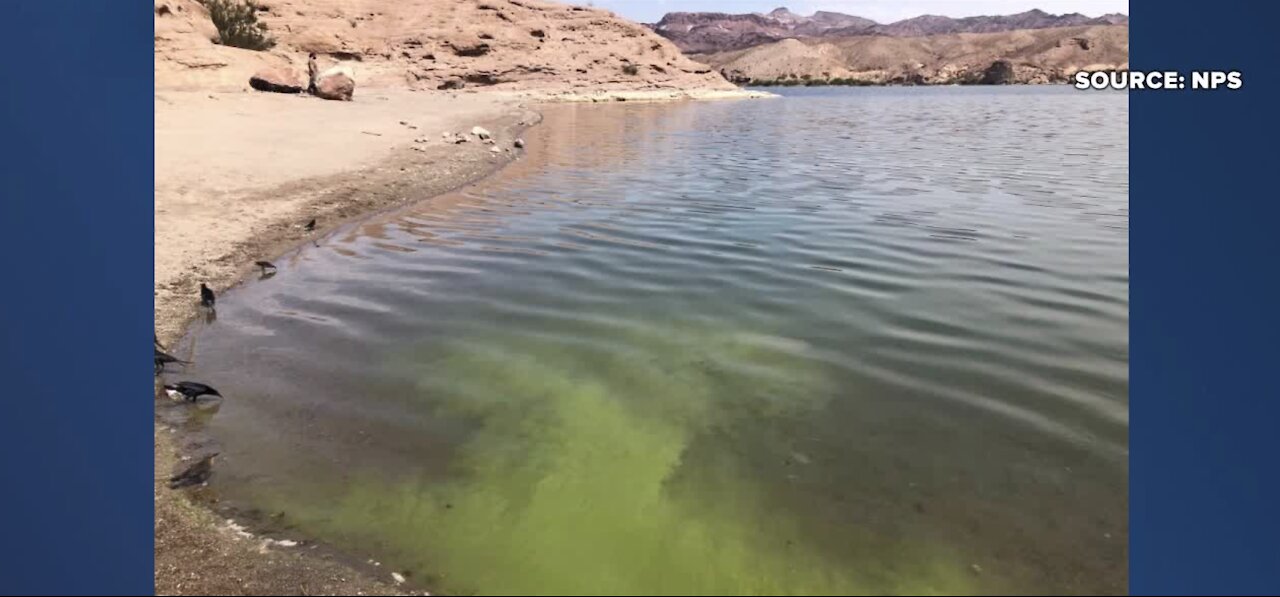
(237, 175)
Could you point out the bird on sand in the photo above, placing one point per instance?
(164, 358)
(189, 390)
(311, 226)
(195, 474)
(265, 265)
(207, 299)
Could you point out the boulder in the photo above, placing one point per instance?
(276, 80)
(336, 86)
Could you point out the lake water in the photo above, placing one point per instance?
(845, 341)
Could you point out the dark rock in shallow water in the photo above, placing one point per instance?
(195, 474)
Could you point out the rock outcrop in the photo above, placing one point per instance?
(709, 32)
(999, 73)
(431, 44)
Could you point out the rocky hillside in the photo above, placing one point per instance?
(1024, 56)
(705, 32)
(430, 44)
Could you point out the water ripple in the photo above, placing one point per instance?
(928, 286)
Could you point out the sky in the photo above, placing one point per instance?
(884, 11)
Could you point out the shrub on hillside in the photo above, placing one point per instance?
(237, 24)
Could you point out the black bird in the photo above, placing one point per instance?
(189, 390)
(265, 265)
(195, 474)
(207, 299)
(311, 226)
(163, 358)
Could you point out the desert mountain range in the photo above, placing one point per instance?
(1021, 56)
(706, 32)
(430, 44)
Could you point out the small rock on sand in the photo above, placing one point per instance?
(519, 144)
(399, 578)
(480, 132)
(495, 150)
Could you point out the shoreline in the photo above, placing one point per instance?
(197, 549)
(223, 202)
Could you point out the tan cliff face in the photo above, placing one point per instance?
(1036, 56)
(431, 44)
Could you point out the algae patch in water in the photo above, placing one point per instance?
(569, 484)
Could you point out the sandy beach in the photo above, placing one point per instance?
(237, 175)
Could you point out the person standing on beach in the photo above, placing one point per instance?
(312, 71)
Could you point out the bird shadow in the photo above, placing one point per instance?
(210, 315)
(267, 275)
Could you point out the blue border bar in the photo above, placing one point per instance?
(76, 238)
(1205, 304)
